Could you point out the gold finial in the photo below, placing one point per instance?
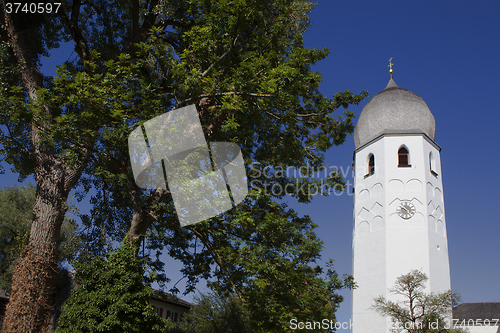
(390, 66)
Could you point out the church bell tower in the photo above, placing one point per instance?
(399, 221)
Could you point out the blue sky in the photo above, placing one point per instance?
(447, 53)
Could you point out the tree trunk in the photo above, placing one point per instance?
(31, 299)
(138, 227)
(142, 216)
(32, 281)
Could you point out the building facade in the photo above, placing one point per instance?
(4, 300)
(399, 219)
(169, 306)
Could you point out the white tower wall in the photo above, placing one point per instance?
(385, 245)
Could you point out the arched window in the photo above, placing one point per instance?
(403, 157)
(371, 165)
(432, 164)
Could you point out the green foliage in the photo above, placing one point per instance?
(265, 253)
(16, 214)
(243, 64)
(214, 313)
(419, 312)
(110, 296)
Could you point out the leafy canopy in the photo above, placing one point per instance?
(243, 64)
(213, 313)
(111, 295)
(418, 312)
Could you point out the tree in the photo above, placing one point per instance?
(214, 313)
(418, 312)
(241, 62)
(16, 214)
(111, 295)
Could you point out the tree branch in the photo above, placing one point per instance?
(135, 17)
(217, 258)
(76, 33)
(221, 57)
(237, 93)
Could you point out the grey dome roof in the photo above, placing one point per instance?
(394, 110)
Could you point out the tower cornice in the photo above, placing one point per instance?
(398, 133)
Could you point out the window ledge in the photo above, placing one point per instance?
(368, 175)
(404, 166)
(434, 173)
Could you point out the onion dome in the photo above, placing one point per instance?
(394, 111)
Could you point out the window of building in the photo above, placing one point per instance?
(432, 164)
(161, 312)
(403, 157)
(175, 317)
(371, 165)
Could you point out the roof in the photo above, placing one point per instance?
(394, 110)
(477, 311)
(157, 295)
(171, 299)
(4, 295)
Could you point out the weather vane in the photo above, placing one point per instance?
(390, 66)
